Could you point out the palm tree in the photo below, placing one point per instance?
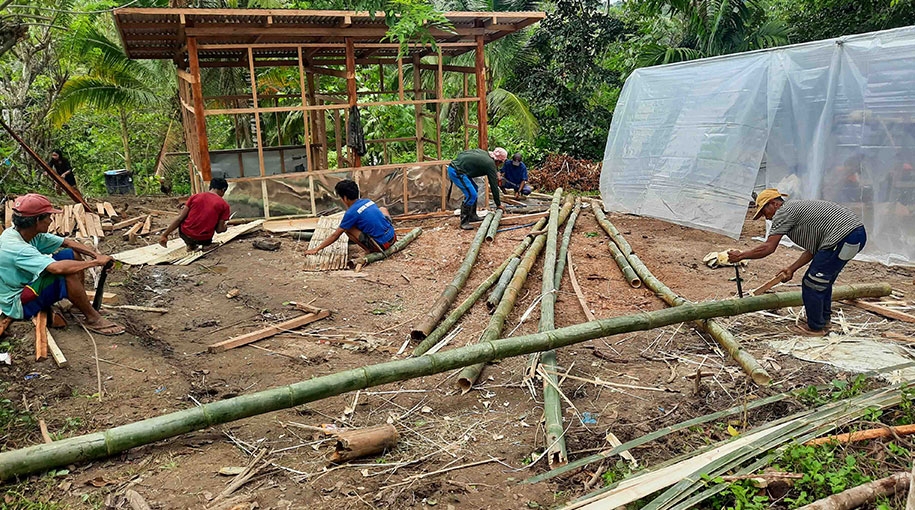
(111, 81)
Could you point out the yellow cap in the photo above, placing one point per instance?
(764, 197)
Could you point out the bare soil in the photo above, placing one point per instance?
(372, 313)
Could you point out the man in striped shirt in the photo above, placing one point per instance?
(830, 234)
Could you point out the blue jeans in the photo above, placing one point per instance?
(816, 288)
(465, 184)
(52, 289)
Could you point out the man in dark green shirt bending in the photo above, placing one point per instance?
(476, 163)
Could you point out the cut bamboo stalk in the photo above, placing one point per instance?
(470, 374)
(552, 402)
(118, 439)
(396, 247)
(41, 336)
(620, 252)
(456, 314)
(861, 495)
(268, 331)
(713, 328)
(566, 239)
(449, 294)
(496, 295)
(494, 226)
(357, 443)
(864, 435)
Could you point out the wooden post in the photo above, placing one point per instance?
(482, 114)
(200, 121)
(400, 78)
(319, 130)
(438, 106)
(257, 127)
(305, 116)
(337, 140)
(465, 107)
(418, 95)
(351, 90)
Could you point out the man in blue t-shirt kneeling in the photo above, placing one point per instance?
(364, 223)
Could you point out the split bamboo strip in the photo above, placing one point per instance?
(494, 226)
(470, 374)
(399, 245)
(442, 329)
(333, 257)
(496, 295)
(618, 252)
(118, 439)
(552, 401)
(566, 239)
(713, 328)
(447, 297)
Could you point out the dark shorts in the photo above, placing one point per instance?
(193, 242)
(46, 290)
(370, 243)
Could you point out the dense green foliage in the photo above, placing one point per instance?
(66, 83)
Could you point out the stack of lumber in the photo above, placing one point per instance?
(335, 256)
(73, 219)
(176, 253)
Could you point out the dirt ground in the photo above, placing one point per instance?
(162, 365)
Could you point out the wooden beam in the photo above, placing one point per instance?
(450, 68)
(41, 335)
(257, 118)
(59, 359)
(483, 114)
(200, 122)
(418, 110)
(882, 310)
(267, 332)
(352, 96)
(316, 173)
(336, 106)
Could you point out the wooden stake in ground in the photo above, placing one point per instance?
(41, 335)
(118, 439)
(357, 443)
(449, 294)
(862, 495)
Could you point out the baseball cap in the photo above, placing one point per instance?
(33, 204)
(764, 197)
(499, 154)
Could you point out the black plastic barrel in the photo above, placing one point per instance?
(119, 182)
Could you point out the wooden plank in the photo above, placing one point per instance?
(126, 223)
(108, 298)
(131, 235)
(176, 250)
(268, 331)
(59, 359)
(147, 225)
(100, 207)
(109, 210)
(291, 225)
(762, 289)
(41, 336)
(79, 214)
(95, 225)
(881, 310)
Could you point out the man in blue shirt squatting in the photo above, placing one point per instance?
(475, 163)
(514, 176)
(35, 272)
(364, 223)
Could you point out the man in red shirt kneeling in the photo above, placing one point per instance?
(203, 215)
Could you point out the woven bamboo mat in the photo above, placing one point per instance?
(335, 256)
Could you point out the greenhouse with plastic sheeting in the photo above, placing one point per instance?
(831, 120)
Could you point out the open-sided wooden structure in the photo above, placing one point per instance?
(342, 61)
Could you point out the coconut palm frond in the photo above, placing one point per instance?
(504, 104)
(770, 34)
(82, 91)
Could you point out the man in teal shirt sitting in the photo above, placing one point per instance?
(33, 277)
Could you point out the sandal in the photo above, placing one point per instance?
(107, 329)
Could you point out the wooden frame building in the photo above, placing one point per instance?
(341, 64)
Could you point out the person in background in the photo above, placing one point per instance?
(202, 217)
(830, 234)
(476, 163)
(38, 269)
(514, 176)
(364, 223)
(62, 167)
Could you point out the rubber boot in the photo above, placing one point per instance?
(465, 224)
(472, 213)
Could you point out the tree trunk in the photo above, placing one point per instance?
(447, 297)
(118, 439)
(125, 138)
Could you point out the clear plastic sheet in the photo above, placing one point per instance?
(833, 119)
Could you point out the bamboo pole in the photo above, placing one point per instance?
(446, 325)
(861, 495)
(96, 445)
(713, 328)
(470, 374)
(618, 255)
(496, 295)
(494, 226)
(447, 297)
(396, 247)
(552, 401)
(566, 239)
